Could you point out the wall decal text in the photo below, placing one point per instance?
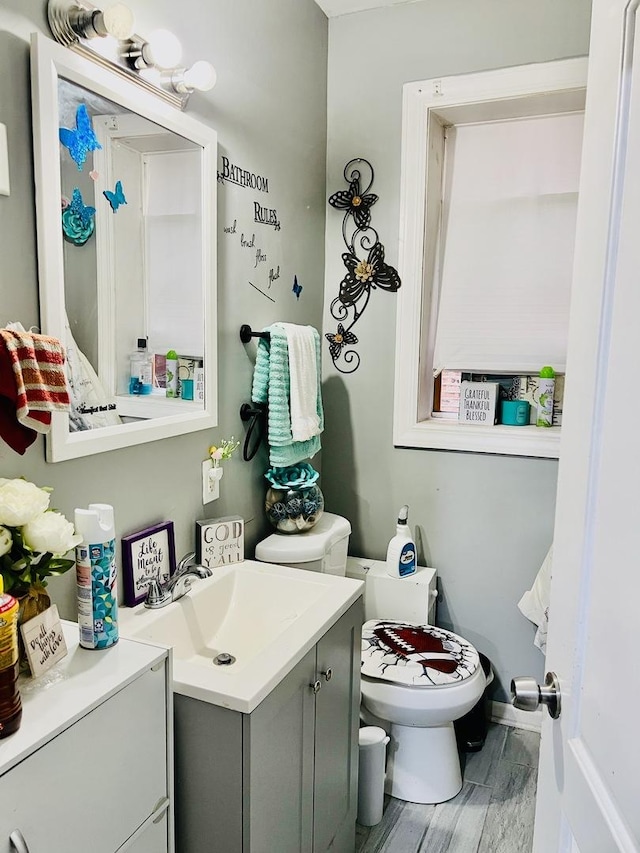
(242, 177)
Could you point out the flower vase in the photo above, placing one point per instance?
(294, 510)
(33, 602)
(215, 475)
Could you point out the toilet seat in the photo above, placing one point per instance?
(415, 655)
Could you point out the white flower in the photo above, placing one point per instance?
(5, 541)
(50, 531)
(20, 501)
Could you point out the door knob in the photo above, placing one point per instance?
(528, 695)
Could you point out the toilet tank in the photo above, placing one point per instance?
(412, 598)
(321, 549)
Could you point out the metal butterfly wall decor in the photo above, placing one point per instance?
(81, 139)
(364, 262)
(115, 198)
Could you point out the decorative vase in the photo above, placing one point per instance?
(294, 510)
(33, 602)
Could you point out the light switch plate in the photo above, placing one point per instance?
(4, 161)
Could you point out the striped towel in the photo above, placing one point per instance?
(40, 384)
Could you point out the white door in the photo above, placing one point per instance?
(589, 783)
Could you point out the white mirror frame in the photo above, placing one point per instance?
(49, 62)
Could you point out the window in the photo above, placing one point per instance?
(490, 168)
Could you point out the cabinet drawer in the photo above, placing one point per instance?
(94, 784)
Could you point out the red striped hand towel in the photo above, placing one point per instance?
(40, 382)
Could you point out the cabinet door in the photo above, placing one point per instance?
(152, 836)
(336, 747)
(94, 784)
(278, 766)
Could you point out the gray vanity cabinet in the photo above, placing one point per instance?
(282, 779)
(90, 767)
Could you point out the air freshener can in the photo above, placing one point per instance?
(96, 577)
(546, 385)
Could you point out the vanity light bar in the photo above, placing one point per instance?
(84, 28)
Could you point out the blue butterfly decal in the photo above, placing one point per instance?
(79, 208)
(82, 139)
(297, 288)
(115, 198)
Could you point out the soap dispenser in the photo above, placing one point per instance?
(401, 553)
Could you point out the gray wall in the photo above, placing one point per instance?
(485, 522)
(269, 108)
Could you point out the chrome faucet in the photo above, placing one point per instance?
(179, 584)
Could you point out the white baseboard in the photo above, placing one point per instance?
(507, 715)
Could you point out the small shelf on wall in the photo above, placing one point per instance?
(153, 406)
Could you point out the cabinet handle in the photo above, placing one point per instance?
(316, 686)
(16, 839)
(327, 674)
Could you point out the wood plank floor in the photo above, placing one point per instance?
(493, 813)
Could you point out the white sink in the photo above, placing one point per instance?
(266, 616)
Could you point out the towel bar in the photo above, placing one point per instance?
(257, 416)
(246, 333)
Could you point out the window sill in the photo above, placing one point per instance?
(435, 434)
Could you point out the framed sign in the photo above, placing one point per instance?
(146, 555)
(220, 541)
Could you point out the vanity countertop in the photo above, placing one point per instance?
(71, 689)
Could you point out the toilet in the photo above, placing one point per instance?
(416, 679)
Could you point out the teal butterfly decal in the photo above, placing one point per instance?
(81, 139)
(297, 288)
(78, 223)
(115, 198)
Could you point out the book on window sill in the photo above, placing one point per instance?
(444, 416)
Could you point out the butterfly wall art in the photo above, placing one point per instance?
(78, 223)
(366, 268)
(81, 139)
(115, 198)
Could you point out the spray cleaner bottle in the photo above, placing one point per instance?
(96, 577)
(401, 553)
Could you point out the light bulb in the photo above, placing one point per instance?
(202, 76)
(118, 21)
(162, 49)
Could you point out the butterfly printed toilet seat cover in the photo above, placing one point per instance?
(415, 655)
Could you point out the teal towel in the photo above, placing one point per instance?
(271, 385)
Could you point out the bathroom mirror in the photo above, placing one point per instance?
(126, 203)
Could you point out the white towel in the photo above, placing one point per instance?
(534, 604)
(303, 381)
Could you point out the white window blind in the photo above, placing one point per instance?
(507, 238)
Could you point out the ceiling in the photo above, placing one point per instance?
(333, 8)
